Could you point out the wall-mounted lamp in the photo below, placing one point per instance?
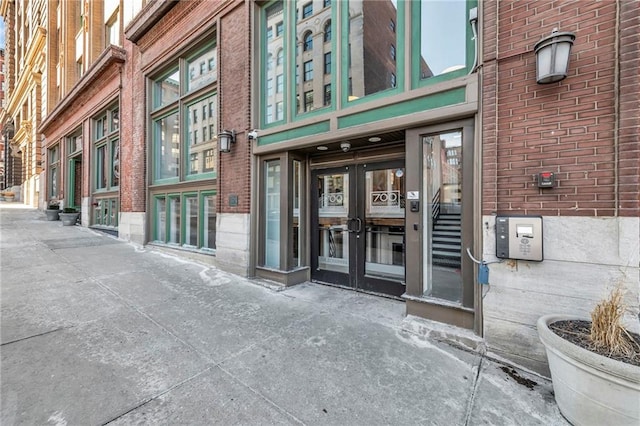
(226, 138)
(552, 56)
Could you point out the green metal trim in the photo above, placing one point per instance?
(183, 214)
(450, 97)
(154, 216)
(312, 129)
(416, 81)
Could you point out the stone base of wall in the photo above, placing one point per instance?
(584, 257)
(132, 226)
(232, 243)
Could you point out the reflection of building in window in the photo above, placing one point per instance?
(372, 61)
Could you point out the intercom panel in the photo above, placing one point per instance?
(519, 237)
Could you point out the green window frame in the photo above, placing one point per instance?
(449, 15)
(106, 150)
(53, 172)
(186, 219)
(184, 107)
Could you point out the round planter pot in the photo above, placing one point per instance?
(52, 214)
(10, 199)
(590, 389)
(69, 219)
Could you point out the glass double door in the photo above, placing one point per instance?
(358, 227)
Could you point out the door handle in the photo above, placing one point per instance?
(359, 225)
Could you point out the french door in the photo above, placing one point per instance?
(358, 227)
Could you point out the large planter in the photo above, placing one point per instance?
(52, 214)
(590, 389)
(69, 219)
(9, 198)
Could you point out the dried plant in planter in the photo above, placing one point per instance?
(607, 332)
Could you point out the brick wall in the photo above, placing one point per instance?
(629, 125)
(182, 26)
(567, 127)
(235, 166)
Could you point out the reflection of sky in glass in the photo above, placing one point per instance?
(443, 34)
(1, 34)
(451, 140)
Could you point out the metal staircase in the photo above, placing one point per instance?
(446, 245)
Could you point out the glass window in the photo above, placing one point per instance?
(106, 148)
(442, 187)
(209, 221)
(166, 140)
(166, 90)
(308, 42)
(191, 220)
(279, 28)
(280, 83)
(112, 29)
(308, 101)
(369, 71)
(54, 172)
(308, 71)
(393, 52)
(161, 219)
(272, 216)
(307, 10)
(438, 54)
(297, 190)
(206, 75)
(273, 16)
(327, 94)
(327, 63)
(174, 220)
(101, 167)
(327, 32)
(326, 3)
(202, 152)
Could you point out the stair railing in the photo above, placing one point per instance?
(435, 206)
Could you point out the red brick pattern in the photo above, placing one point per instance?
(181, 27)
(629, 127)
(568, 127)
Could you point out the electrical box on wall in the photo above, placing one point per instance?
(519, 237)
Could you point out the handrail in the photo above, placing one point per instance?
(435, 206)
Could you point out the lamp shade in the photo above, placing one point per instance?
(226, 138)
(552, 56)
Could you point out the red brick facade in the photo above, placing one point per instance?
(182, 26)
(569, 128)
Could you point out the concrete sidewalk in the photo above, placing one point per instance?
(98, 331)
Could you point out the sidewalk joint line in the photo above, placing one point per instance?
(158, 395)
(35, 335)
(476, 382)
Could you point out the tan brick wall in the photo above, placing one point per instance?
(567, 127)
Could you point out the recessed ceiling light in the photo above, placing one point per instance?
(322, 148)
(374, 139)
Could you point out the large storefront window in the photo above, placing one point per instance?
(184, 138)
(187, 220)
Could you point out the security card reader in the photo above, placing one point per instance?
(519, 237)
